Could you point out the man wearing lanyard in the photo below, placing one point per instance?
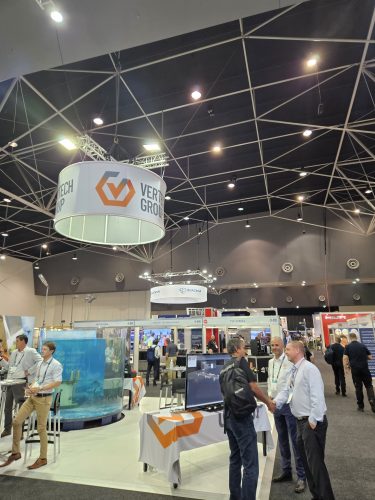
(279, 369)
(21, 362)
(48, 376)
(305, 393)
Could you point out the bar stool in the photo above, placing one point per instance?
(165, 391)
(178, 390)
(53, 428)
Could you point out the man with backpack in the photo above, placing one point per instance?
(151, 363)
(338, 349)
(238, 386)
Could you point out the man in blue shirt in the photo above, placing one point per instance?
(305, 394)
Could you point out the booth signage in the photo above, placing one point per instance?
(107, 202)
(178, 294)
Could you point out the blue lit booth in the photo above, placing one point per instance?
(93, 375)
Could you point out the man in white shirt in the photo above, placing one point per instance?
(305, 394)
(47, 376)
(21, 361)
(279, 369)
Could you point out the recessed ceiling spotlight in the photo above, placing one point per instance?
(307, 132)
(44, 246)
(98, 121)
(186, 218)
(240, 209)
(216, 148)
(5, 235)
(13, 144)
(57, 16)
(7, 200)
(196, 95)
(167, 197)
(152, 147)
(312, 61)
(357, 211)
(68, 144)
(297, 307)
(247, 224)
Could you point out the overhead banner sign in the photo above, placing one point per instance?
(178, 294)
(110, 203)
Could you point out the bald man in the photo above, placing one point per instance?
(279, 370)
(305, 394)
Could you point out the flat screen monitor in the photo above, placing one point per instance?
(202, 380)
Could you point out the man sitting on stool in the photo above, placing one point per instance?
(48, 375)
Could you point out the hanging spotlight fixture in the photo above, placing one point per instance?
(232, 182)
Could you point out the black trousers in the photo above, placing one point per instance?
(311, 444)
(363, 376)
(156, 366)
(14, 394)
(338, 370)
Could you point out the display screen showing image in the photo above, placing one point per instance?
(202, 379)
(148, 336)
(261, 334)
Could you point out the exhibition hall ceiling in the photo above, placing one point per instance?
(286, 113)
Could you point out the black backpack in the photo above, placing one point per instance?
(329, 355)
(150, 354)
(238, 397)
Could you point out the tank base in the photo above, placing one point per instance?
(76, 425)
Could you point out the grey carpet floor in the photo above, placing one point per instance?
(20, 488)
(350, 446)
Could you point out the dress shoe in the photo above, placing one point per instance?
(360, 409)
(344, 395)
(372, 406)
(39, 463)
(5, 433)
(300, 486)
(285, 476)
(337, 393)
(12, 458)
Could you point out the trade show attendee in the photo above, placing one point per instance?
(279, 369)
(158, 352)
(241, 433)
(171, 358)
(355, 359)
(338, 349)
(21, 363)
(47, 376)
(3, 363)
(305, 394)
(3, 352)
(150, 356)
(212, 344)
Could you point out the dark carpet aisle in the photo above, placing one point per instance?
(20, 488)
(350, 447)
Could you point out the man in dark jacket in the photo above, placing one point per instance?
(356, 356)
(338, 349)
(212, 344)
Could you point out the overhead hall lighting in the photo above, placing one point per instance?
(98, 121)
(57, 16)
(196, 95)
(7, 200)
(152, 147)
(13, 144)
(357, 211)
(300, 197)
(368, 191)
(44, 246)
(299, 217)
(232, 183)
(74, 257)
(216, 148)
(247, 224)
(4, 235)
(312, 61)
(167, 197)
(68, 144)
(3, 256)
(240, 209)
(307, 132)
(303, 173)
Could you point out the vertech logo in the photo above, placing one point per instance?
(169, 434)
(115, 196)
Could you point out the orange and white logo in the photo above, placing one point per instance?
(167, 434)
(115, 196)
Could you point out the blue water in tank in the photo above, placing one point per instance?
(93, 373)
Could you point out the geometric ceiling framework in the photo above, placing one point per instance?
(258, 96)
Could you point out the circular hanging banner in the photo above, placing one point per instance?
(178, 294)
(110, 203)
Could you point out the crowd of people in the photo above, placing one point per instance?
(295, 395)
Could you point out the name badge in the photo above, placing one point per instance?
(290, 397)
